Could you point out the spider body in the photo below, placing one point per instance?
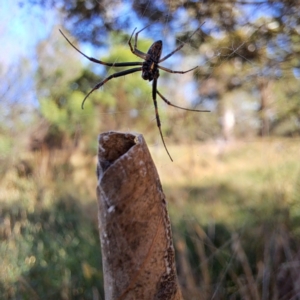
(150, 71)
(149, 67)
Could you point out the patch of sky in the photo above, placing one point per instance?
(255, 10)
(22, 27)
(296, 72)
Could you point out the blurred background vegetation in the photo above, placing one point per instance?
(234, 188)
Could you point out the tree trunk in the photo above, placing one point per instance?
(263, 85)
(135, 230)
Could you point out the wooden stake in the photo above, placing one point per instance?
(135, 230)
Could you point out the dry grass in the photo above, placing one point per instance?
(201, 163)
(237, 209)
(223, 178)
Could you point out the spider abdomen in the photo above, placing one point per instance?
(155, 51)
(149, 67)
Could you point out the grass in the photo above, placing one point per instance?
(217, 180)
(234, 208)
(243, 198)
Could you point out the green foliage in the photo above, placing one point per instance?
(51, 253)
(287, 107)
(6, 144)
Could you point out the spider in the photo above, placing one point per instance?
(150, 71)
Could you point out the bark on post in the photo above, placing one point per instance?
(135, 231)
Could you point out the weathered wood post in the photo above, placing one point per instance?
(135, 231)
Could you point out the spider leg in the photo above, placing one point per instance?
(171, 71)
(125, 64)
(170, 54)
(177, 49)
(154, 92)
(136, 35)
(171, 104)
(115, 75)
(134, 49)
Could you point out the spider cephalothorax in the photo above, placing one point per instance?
(150, 71)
